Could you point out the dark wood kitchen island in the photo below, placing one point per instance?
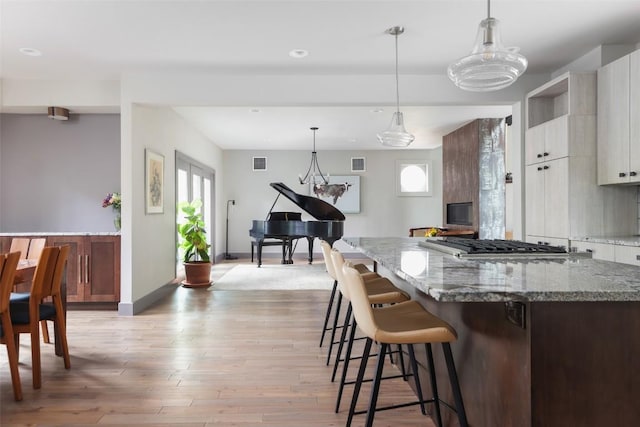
(541, 343)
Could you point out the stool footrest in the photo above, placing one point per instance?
(399, 405)
(383, 378)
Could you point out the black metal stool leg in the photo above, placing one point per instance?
(345, 366)
(343, 339)
(359, 379)
(416, 377)
(373, 400)
(328, 315)
(455, 386)
(335, 326)
(434, 384)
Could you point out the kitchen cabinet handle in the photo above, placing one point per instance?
(545, 167)
(545, 154)
(539, 155)
(622, 175)
(539, 168)
(633, 173)
(86, 269)
(80, 277)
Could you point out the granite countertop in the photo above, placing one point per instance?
(449, 278)
(611, 240)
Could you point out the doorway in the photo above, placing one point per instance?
(195, 181)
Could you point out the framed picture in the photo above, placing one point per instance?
(154, 182)
(343, 192)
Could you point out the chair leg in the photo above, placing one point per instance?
(35, 355)
(416, 378)
(335, 326)
(62, 332)
(345, 366)
(359, 379)
(328, 315)
(343, 339)
(373, 400)
(434, 384)
(455, 385)
(45, 332)
(12, 355)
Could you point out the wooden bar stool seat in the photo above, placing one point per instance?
(403, 323)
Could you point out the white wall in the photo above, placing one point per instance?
(382, 212)
(148, 258)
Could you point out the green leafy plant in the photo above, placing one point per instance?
(194, 236)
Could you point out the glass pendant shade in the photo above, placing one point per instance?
(396, 135)
(490, 66)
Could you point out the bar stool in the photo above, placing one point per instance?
(362, 269)
(404, 323)
(378, 291)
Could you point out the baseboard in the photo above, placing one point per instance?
(137, 307)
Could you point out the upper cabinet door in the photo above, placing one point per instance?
(613, 122)
(634, 115)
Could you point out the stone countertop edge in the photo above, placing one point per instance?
(447, 278)
(611, 240)
(60, 233)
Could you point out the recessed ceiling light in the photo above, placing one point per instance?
(254, 110)
(377, 110)
(29, 51)
(352, 140)
(298, 53)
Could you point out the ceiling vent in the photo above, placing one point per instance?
(58, 113)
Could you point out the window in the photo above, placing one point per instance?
(413, 178)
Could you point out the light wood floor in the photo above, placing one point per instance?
(199, 358)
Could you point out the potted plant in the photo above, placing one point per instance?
(197, 264)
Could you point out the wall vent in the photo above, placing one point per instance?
(358, 164)
(259, 163)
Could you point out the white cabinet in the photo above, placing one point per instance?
(619, 121)
(547, 190)
(627, 254)
(602, 251)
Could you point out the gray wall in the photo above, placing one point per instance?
(54, 174)
(382, 212)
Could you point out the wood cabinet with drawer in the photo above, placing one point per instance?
(93, 266)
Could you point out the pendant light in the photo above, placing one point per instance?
(314, 174)
(396, 135)
(490, 66)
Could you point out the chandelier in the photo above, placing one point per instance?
(396, 135)
(490, 66)
(314, 174)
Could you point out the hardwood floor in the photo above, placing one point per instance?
(199, 358)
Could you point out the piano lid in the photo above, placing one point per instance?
(317, 208)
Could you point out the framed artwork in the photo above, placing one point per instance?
(342, 191)
(154, 182)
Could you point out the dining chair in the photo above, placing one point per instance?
(8, 265)
(35, 248)
(20, 244)
(26, 315)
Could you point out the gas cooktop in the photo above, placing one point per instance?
(492, 248)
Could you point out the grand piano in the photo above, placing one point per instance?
(287, 227)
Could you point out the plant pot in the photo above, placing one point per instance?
(197, 274)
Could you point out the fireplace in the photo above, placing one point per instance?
(460, 213)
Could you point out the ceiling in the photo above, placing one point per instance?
(94, 40)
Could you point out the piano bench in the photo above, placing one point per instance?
(255, 243)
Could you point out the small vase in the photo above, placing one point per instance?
(116, 221)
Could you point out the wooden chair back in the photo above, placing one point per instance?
(47, 282)
(20, 244)
(8, 265)
(35, 248)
